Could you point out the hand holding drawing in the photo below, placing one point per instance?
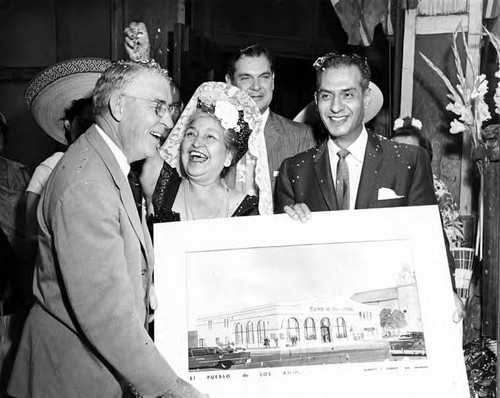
(298, 211)
(183, 390)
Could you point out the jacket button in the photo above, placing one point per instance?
(143, 272)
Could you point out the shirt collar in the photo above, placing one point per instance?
(356, 149)
(117, 152)
(265, 116)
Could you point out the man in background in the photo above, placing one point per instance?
(251, 69)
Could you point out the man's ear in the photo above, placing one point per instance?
(228, 79)
(116, 106)
(316, 98)
(368, 97)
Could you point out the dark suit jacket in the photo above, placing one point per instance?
(406, 170)
(285, 138)
(86, 336)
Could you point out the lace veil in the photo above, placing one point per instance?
(252, 170)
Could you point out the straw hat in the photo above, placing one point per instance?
(54, 89)
(309, 114)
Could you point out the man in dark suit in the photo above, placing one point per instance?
(353, 169)
(380, 173)
(85, 335)
(251, 69)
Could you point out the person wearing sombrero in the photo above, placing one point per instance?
(211, 136)
(60, 101)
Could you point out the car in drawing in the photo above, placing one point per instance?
(411, 343)
(215, 357)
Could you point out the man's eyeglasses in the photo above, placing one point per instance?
(160, 106)
(174, 107)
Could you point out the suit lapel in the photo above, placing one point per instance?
(369, 174)
(324, 174)
(121, 183)
(271, 131)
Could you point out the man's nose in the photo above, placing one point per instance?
(336, 105)
(255, 84)
(167, 121)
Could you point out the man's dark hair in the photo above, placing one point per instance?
(76, 108)
(254, 50)
(412, 131)
(336, 61)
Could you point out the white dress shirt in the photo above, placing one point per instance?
(265, 116)
(354, 163)
(117, 152)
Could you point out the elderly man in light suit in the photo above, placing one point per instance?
(86, 335)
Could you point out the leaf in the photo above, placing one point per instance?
(442, 76)
(495, 41)
(456, 55)
(467, 53)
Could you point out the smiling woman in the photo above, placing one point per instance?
(210, 138)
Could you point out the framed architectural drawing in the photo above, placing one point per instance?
(351, 303)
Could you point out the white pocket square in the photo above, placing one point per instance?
(387, 193)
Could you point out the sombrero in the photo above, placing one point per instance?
(309, 114)
(54, 89)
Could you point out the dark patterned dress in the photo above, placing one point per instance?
(166, 189)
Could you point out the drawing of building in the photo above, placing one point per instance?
(402, 297)
(309, 322)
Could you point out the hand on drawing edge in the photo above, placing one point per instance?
(153, 302)
(298, 211)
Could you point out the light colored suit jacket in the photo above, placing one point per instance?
(86, 336)
(285, 138)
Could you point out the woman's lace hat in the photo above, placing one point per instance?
(231, 106)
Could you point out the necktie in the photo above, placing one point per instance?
(342, 183)
(135, 186)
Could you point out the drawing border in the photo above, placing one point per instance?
(442, 373)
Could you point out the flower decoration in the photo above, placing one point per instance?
(467, 100)
(227, 114)
(416, 123)
(398, 123)
(407, 121)
(231, 118)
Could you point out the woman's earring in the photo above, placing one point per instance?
(67, 125)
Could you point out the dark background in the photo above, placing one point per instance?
(35, 34)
